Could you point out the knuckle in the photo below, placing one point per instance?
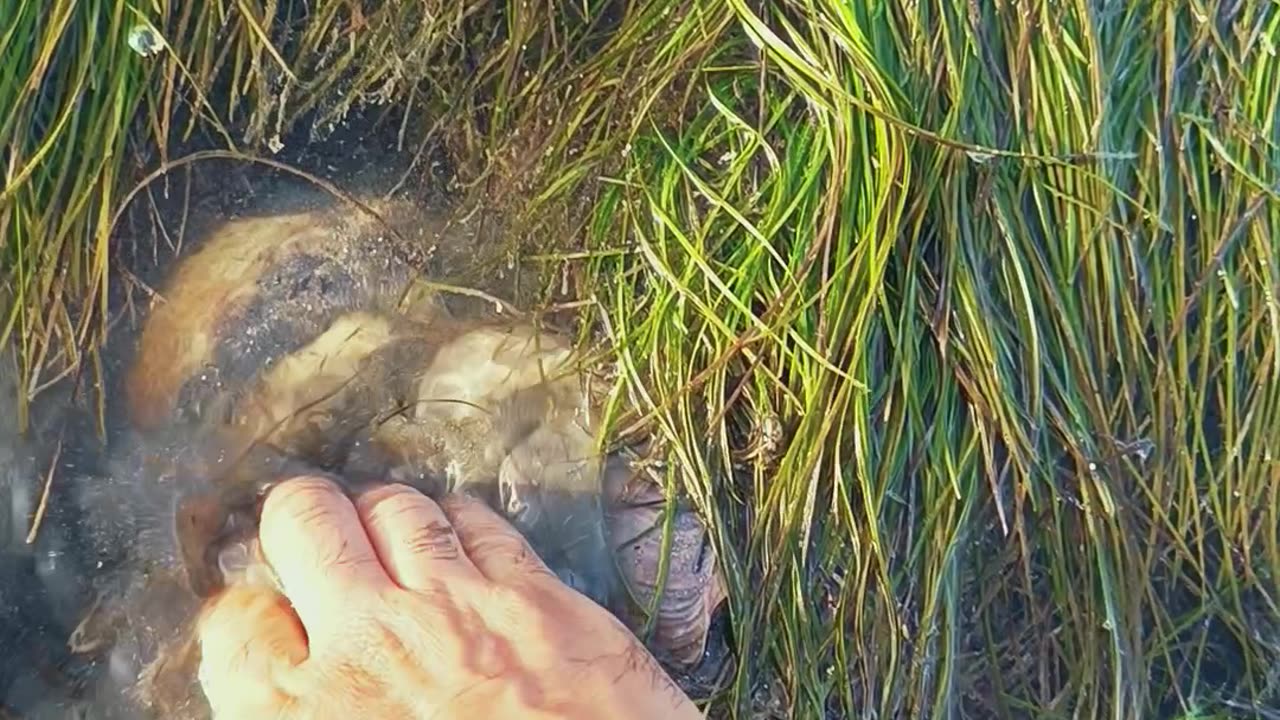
(527, 561)
(463, 509)
(393, 494)
(497, 545)
(520, 562)
(299, 496)
(435, 540)
(391, 501)
(454, 503)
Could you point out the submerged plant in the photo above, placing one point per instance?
(956, 321)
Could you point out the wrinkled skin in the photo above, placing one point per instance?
(393, 606)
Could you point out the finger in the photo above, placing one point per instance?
(249, 641)
(413, 538)
(313, 539)
(494, 546)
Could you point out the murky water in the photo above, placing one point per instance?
(272, 326)
(100, 591)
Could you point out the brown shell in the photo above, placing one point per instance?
(694, 588)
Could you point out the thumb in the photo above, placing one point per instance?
(250, 645)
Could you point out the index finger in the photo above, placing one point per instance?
(313, 539)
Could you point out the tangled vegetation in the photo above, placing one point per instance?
(956, 321)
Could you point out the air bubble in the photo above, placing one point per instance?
(145, 40)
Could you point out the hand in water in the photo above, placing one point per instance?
(397, 607)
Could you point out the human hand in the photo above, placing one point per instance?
(398, 607)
